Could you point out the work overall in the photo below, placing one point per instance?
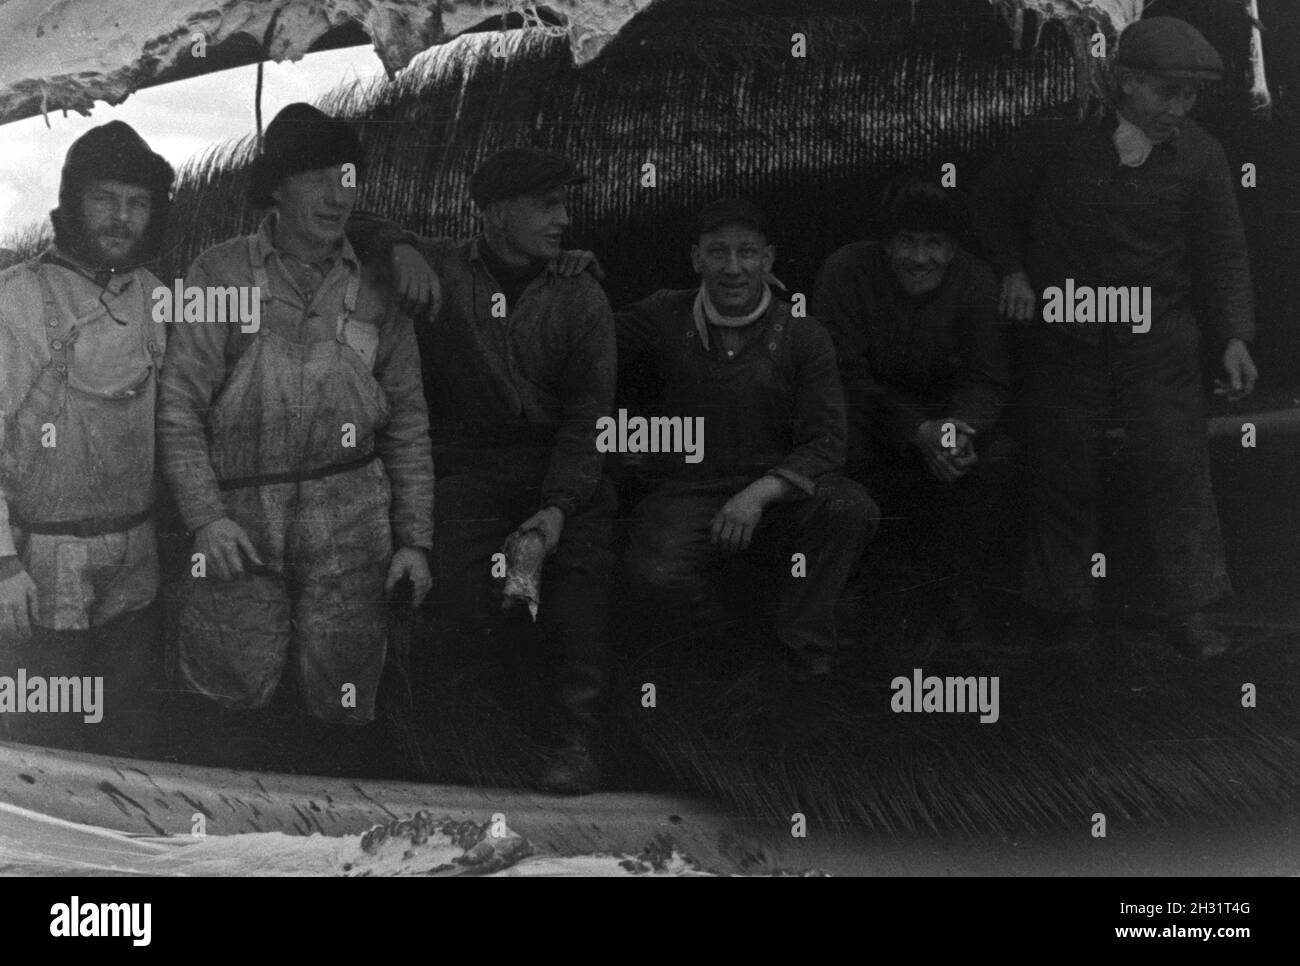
(80, 478)
(292, 444)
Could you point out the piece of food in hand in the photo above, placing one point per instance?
(525, 554)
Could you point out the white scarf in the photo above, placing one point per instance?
(706, 313)
(1131, 143)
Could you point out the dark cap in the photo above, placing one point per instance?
(918, 204)
(730, 211)
(1168, 46)
(301, 138)
(521, 171)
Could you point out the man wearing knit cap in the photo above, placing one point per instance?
(297, 448)
(1137, 207)
(761, 388)
(79, 360)
(518, 368)
(914, 321)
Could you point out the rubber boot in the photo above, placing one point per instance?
(569, 766)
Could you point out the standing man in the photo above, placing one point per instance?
(762, 386)
(519, 367)
(79, 360)
(1140, 202)
(295, 438)
(925, 373)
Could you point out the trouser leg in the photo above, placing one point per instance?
(1066, 389)
(828, 530)
(46, 655)
(127, 653)
(1161, 396)
(340, 547)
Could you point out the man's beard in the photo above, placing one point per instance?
(90, 250)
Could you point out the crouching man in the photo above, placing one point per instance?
(79, 360)
(760, 392)
(295, 436)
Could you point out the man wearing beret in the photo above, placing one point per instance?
(1141, 200)
(297, 447)
(519, 365)
(79, 359)
(763, 387)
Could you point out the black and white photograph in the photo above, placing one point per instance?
(651, 438)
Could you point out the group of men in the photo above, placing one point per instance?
(299, 438)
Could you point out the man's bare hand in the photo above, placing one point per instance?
(575, 261)
(1018, 298)
(929, 440)
(418, 290)
(551, 522)
(17, 604)
(1241, 371)
(224, 546)
(734, 525)
(410, 562)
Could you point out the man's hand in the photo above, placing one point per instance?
(224, 544)
(1018, 298)
(551, 522)
(575, 261)
(734, 525)
(1241, 371)
(410, 562)
(416, 283)
(947, 463)
(17, 603)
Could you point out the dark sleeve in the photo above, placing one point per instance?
(819, 427)
(587, 394)
(373, 237)
(1220, 260)
(984, 383)
(638, 328)
(1001, 204)
(870, 408)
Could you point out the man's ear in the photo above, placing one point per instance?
(697, 262)
(769, 257)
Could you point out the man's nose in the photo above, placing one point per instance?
(562, 217)
(733, 264)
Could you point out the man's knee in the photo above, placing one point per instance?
(845, 505)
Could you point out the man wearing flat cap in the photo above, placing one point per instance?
(297, 448)
(79, 358)
(1135, 206)
(519, 365)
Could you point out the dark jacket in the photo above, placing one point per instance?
(906, 360)
(775, 408)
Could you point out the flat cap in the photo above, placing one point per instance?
(521, 171)
(730, 211)
(1168, 46)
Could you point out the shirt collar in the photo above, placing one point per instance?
(479, 242)
(264, 243)
(1132, 143)
(114, 281)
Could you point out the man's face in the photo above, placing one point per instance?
(920, 259)
(115, 217)
(1158, 105)
(531, 226)
(733, 262)
(314, 205)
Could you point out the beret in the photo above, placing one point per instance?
(730, 211)
(521, 171)
(301, 138)
(1168, 46)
